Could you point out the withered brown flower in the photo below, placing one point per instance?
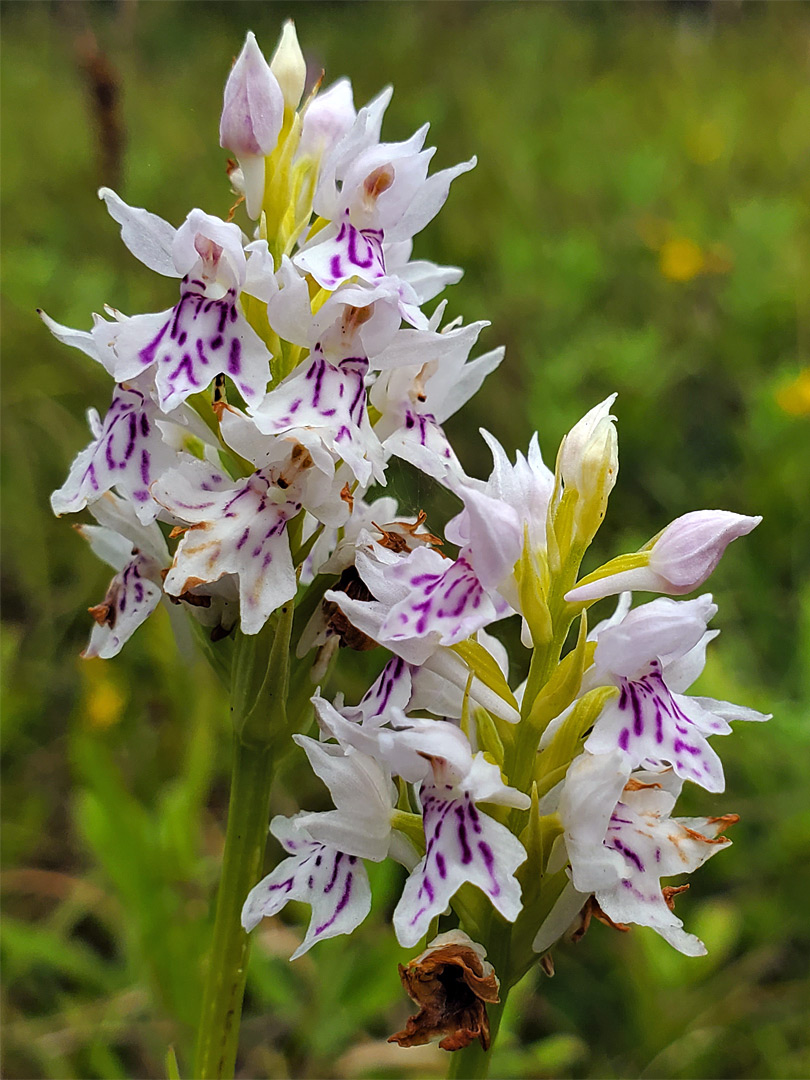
(451, 982)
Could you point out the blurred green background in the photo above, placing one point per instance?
(638, 221)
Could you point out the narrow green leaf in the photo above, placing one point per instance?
(484, 667)
(563, 686)
(172, 1068)
(564, 747)
(488, 738)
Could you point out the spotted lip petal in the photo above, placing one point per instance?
(620, 850)
(463, 845)
(652, 728)
(342, 253)
(198, 339)
(330, 402)
(647, 722)
(133, 595)
(334, 884)
(127, 453)
(444, 603)
(239, 531)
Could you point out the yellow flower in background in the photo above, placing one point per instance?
(680, 259)
(706, 143)
(794, 398)
(103, 700)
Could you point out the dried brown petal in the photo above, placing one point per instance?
(592, 910)
(404, 535)
(670, 892)
(451, 982)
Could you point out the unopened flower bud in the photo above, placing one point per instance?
(327, 119)
(588, 464)
(289, 67)
(676, 561)
(252, 115)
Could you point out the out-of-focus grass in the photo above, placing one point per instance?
(638, 221)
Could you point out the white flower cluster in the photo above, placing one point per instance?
(234, 472)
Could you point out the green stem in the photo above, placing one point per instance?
(248, 812)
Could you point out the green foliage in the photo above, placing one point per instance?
(638, 222)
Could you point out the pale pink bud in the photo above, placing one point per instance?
(252, 115)
(327, 119)
(253, 108)
(679, 559)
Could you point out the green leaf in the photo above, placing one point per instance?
(563, 686)
(631, 561)
(484, 667)
(488, 738)
(172, 1068)
(563, 748)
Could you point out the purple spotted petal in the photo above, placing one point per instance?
(652, 845)
(349, 253)
(462, 845)
(621, 841)
(390, 690)
(444, 599)
(330, 401)
(334, 884)
(653, 729)
(200, 338)
(422, 442)
(133, 595)
(127, 454)
(240, 531)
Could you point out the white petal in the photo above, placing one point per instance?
(334, 884)
(147, 236)
(463, 845)
(363, 796)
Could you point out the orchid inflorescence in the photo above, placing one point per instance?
(236, 475)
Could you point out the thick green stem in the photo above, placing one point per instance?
(245, 840)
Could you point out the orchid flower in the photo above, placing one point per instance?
(333, 883)
(621, 841)
(654, 652)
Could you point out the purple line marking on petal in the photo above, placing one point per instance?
(347, 889)
(466, 853)
(335, 868)
(286, 885)
(441, 865)
(234, 356)
(147, 353)
(145, 463)
(638, 720)
(489, 862)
